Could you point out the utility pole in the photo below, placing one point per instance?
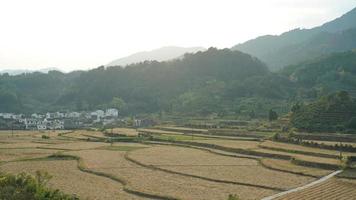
(340, 148)
(12, 129)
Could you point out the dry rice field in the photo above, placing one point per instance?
(165, 170)
(77, 145)
(159, 131)
(201, 163)
(288, 166)
(333, 189)
(238, 144)
(18, 154)
(331, 143)
(302, 157)
(292, 147)
(162, 183)
(124, 131)
(67, 178)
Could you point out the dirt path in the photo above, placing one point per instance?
(304, 187)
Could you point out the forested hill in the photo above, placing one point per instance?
(203, 82)
(326, 74)
(334, 112)
(303, 44)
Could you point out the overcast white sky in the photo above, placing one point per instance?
(82, 34)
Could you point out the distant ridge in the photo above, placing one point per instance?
(161, 54)
(299, 45)
(21, 71)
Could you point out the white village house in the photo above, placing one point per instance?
(112, 112)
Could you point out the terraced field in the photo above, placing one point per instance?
(232, 143)
(161, 183)
(302, 157)
(286, 165)
(76, 145)
(340, 189)
(293, 147)
(203, 164)
(331, 143)
(69, 179)
(124, 131)
(155, 171)
(19, 154)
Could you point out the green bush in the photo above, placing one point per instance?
(27, 187)
(233, 197)
(352, 123)
(45, 137)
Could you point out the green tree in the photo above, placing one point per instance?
(272, 115)
(119, 104)
(352, 123)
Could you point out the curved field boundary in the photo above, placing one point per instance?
(315, 164)
(259, 154)
(304, 187)
(231, 150)
(323, 155)
(259, 159)
(82, 168)
(286, 171)
(152, 167)
(202, 135)
(209, 150)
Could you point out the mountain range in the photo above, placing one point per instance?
(21, 71)
(161, 54)
(222, 81)
(299, 45)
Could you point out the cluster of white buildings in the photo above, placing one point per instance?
(56, 120)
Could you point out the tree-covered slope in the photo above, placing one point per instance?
(214, 81)
(201, 78)
(303, 44)
(326, 74)
(335, 112)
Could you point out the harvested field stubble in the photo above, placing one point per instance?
(77, 145)
(204, 164)
(286, 165)
(67, 178)
(294, 147)
(18, 154)
(341, 189)
(232, 143)
(161, 183)
(123, 131)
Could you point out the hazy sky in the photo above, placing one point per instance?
(82, 34)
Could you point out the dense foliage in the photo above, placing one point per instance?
(27, 187)
(333, 72)
(334, 112)
(222, 82)
(214, 81)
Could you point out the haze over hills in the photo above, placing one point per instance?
(21, 71)
(303, 44)
(204, 82)
(161, 54)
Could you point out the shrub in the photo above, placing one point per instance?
(346, 162)
(352, 123)
(26, 187)
(45, 137)
(272, 115)
(233, 197)
(276, 137)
